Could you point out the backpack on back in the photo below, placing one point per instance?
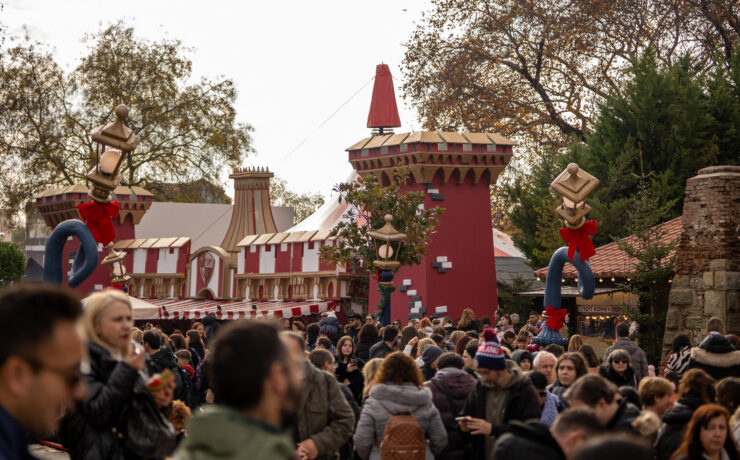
(403, 438)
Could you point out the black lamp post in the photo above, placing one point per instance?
(385, 239)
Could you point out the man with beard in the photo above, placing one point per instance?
(502, 395)
(257, 388)
(324, 420)
(40, 355)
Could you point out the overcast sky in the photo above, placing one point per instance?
(294, 64)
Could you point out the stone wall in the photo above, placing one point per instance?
(708, 256)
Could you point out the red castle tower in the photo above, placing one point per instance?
(455, 171)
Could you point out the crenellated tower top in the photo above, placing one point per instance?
(252, 213)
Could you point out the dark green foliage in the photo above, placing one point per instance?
(653, 268)
(512, 303)
(12, 264)
(532, 211)
(678, 119)
(371, 201)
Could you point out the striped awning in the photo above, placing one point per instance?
(198, 308)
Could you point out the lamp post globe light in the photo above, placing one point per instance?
(385, 238)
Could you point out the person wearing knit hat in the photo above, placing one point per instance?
(502, 395)
(489, 354)
(430, 355)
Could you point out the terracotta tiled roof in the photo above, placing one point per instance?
(609, 260)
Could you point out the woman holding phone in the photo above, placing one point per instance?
(349, 367)
(119, 405)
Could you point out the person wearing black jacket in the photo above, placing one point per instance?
(387, 346)
(533, 440)
(450, 388)
(600, 395)
(349, 368)
(617, 369)
(696, 389)
(502, 395)
(117, 393)
(365, 340)
(211, 325)
(159, 358)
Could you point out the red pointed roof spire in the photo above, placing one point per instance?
(383, 110)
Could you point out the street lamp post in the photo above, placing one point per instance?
(385, 238)
(118, 269)
(113, 142)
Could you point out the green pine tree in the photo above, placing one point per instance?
(681, 118)
(650, 277)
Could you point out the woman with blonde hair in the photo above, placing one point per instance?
(368, 373)
(120, 418)
(575, 343)
(468, 321)
(420, 346)
(137, 335)
(455, 336)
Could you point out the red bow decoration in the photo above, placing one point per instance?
(555, 318)
(579, 239)
(98, 217)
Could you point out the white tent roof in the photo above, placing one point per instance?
(328, 215)
(142, 309)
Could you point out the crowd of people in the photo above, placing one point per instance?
(88, 381)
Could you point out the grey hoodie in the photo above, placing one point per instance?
(388, 399)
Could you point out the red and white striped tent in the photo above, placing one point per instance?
(198, 308)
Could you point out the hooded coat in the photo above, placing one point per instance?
(330, 327)
(459, 384)
(525, 441)
(717, 357)
(521, 404)
(674, 423)
(638, 358)
(518, 355)
(390, 399)
(222, 433)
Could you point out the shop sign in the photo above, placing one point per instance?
(600, 309)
